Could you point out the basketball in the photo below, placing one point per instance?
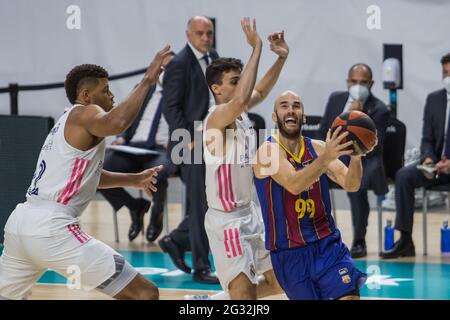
(361, 128)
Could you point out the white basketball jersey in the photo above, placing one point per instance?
(229, 179)
(64, 174)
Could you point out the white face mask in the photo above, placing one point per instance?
(359, 92)
(446, 83)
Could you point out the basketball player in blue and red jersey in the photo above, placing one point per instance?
(308, 257)
(44, 231)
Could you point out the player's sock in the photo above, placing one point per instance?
(220, 296)
(260, 278)
(226, 296)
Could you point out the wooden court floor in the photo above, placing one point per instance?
(97, 221)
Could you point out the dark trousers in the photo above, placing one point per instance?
(191, 233)
(406, 180)
(360, 208)
(124, 162)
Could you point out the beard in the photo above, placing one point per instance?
(289, 134)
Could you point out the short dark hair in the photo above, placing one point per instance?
(80, 75)
(360, 64)
(215, 71)
(445, 59)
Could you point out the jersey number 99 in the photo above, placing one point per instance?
(305, 206)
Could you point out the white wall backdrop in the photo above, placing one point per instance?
(325, 36)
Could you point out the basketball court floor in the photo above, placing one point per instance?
(406, 278)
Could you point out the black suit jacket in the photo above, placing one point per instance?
(373, 168)
(433, 130)
(185, 92)
(129, 133)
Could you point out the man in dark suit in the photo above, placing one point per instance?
(435, 152)
(187, 99)
(359, 97)
(149, 131)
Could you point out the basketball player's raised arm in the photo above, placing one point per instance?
(265, 85)
(145, 180)
(271, 161)
(226, 113)
(102, 124)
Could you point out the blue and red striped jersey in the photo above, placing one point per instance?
(295, 220)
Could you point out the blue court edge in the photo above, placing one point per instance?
(386, 279)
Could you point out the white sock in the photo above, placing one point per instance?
(220, 296)
(260, 278)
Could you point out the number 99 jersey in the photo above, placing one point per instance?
(295, 220)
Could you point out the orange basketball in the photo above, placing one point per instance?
(361, 128)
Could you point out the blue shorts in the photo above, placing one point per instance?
(320, 271)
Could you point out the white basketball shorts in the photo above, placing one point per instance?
(236, 240)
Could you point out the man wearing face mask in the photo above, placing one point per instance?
(435, 152)
(360, 98)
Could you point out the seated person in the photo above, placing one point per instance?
(435, 152)
(360, 98)
(149, 131)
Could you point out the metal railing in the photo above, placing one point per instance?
(14, 88)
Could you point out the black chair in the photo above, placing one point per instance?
(394, 148)
(393, 160)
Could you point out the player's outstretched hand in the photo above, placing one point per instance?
(334, 148)
(278, 44)
(146, 180)
(251, 33)
(156, 66)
